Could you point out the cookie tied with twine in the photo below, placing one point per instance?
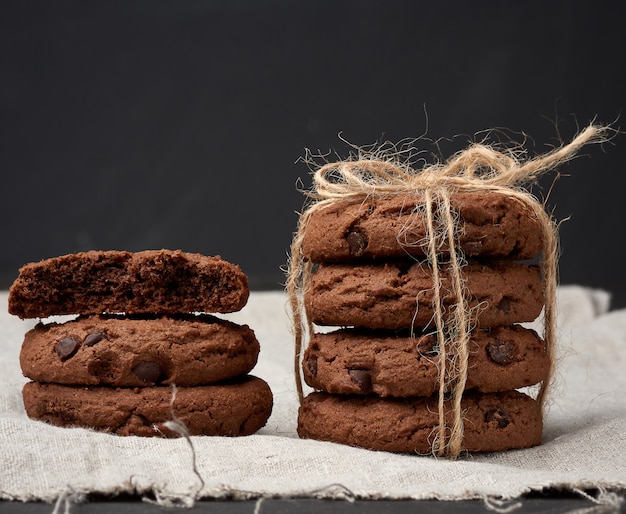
(479, 168)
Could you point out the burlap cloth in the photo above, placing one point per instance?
(584, 438)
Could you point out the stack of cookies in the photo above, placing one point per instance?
(376, 379)
(144, 349)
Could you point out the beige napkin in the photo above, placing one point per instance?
(584, 438)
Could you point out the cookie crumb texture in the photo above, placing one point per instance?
(236, 408)
(492, 225)
(399, 294)
(386, 363)
(151, 281)
(492, 422)
(185, 350)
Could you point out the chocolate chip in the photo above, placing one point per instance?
(357, 243)
(502, 352)
(312, 366)
(497, 416)
(93, 338)
(504, 305)
(66, 348)
(149, 371)
(361, 378)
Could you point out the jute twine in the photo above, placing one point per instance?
(482, 168)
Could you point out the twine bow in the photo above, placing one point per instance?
(478, 168)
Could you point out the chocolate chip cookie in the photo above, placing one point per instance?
(490, 225)
(152, 281)
(399, 294)
(386, 363)
(142, 325)
(185, 350)
(235, 408)
(492, 421)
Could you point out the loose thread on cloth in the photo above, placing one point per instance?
(501, 506)
(68, 498)
(178, 427)
(480, 167)
(605, 502)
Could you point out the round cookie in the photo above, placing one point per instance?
(119, 351)
(152, 281)
(399, 294)
(492, 421)
(385, 364)
(491, 225)
(236, 408)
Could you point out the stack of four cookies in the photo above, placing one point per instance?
(143, 350)
(376, 379)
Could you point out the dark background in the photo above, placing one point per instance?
(177, 124)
